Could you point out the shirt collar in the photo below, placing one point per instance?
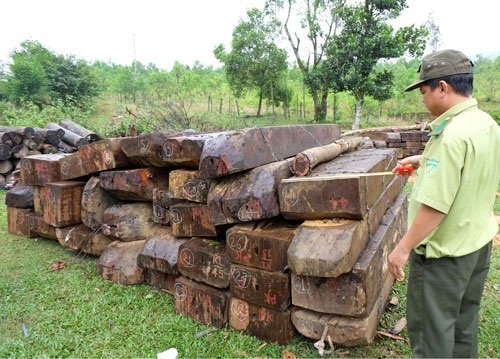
(439, 124)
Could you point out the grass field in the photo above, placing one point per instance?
(51, 310)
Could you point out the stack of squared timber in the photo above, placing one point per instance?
(18, 142)
(411, 142)
(337, 257)
(221, 221)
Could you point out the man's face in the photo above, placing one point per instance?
(432, 99)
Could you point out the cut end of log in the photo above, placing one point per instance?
(301, 165)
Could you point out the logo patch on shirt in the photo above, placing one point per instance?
(431, 165)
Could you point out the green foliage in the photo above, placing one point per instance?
(29, 114)
(255, 62)
(366, 39)
(41, 77)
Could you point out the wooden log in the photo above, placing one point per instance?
(71, 167)
(65, 147)
(370, 131)
(49, 149)
(186, 150)
(345, 240)
(6, 166)
(206, 261)
(248, 196)
(73, 237)
(135, 184)
(20, 151)
(94, 202)
(147, 149)
(10, 138)
(20, 196)
(53, 137)
(74, 127)
(162, 201)
(32, 143)
(24, 131)
(160, 252)
(343, 330)
(327, 194)
(266, 324)
(118, 263)
(262, 287)
(5, 151)
(415, 136)
(40, 169)
(37, 202)
(130, 221)
(69, 137)
(39, 226)
(261, 244)
(192, 220)
(103, 155)
(201, 302)
(253, 147)
(61, 203)
(187, 184)
(97, 243)
(17, 221)
(305, 161)
(163, 281)
(386, 199)
(354, 293)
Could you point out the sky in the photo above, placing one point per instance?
(165, 31)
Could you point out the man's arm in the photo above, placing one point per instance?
(426, 220)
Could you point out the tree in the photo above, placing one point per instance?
(318, 21)
(255, 61)
(38, 75)
(346, 42)
(434, 33)
(366, 39)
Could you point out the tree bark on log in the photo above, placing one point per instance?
(50, 136)
(23, 131)
(69, 137)
(79, 130)
(304, 162)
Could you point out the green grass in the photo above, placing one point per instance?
(74, 313)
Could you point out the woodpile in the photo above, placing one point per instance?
(223, 223)
(411, 142)
(18, 142)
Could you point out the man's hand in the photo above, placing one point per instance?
(396, 261)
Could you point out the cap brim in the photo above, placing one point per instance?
(414, 85)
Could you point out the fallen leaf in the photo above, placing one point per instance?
(399, 326)
(287, 355)
(58, 265)
(262, 346)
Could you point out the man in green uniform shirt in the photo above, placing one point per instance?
(448, 243)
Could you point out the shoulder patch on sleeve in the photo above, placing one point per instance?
(431, 165)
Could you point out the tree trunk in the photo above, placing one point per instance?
(357, 116)
(259, 109)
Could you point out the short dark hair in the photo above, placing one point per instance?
(463, 84)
